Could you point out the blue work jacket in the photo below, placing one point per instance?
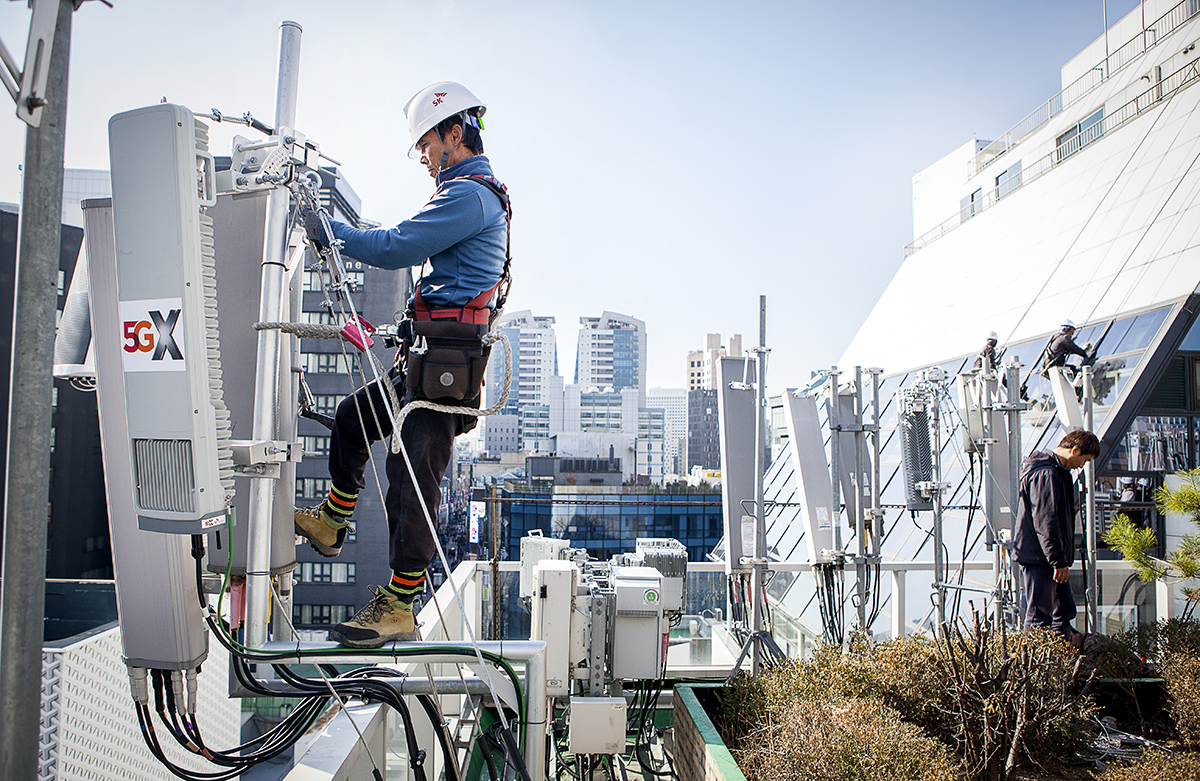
(462, 232)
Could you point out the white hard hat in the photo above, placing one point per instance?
(1126, 481)
(435, 103)
(992, 336)
(1069, 323)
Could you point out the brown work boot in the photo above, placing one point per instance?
(384, 619)
(322, 530)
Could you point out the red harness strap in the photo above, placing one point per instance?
(475, 311)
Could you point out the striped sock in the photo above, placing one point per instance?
(340, 504)
(407, 586)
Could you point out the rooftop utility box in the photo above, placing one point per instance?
(536, 548)
(669, 557)
(639, 635)
(552, 607)
(597, 725)
(178, 426)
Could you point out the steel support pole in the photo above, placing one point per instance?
(835, 455)
(860, 529)
(268, 384)
(494, 533)
(988, 493)
(1089, 479)
(876, 512)
(27, 460)
(939, 560)
(758, 573)
(1013, 415)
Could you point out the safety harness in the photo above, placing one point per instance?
(476, 310)
(445, 357)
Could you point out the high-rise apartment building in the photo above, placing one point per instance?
(674, 404)
(534, 369)
(701, 363)
(703, 431)
(612, 353)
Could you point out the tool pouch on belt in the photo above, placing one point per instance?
(449, 361)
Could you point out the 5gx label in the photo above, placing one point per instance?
(152, 335)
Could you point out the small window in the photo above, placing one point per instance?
(1079, 136)
(1008, 181)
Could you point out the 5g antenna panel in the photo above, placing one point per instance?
(162, 180)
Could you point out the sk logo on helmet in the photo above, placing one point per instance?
(438, 97)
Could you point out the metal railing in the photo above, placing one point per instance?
(1129, 51)
(1152, 96)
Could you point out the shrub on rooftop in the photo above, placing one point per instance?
(1157, 766)
(1173, 648)
(844, 737)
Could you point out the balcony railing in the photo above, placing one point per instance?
(1151, 97)
(1116, 60)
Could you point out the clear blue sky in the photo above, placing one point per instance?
(669, 160)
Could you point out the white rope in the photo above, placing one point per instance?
(488, 339)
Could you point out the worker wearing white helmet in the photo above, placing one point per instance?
(987, 356)
(462, 233)
(1063, 345)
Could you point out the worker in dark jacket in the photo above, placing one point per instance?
(987, 358)
(1045, 536)
(1062, 346)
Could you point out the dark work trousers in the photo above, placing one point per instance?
(428, 437)
(1050, 604)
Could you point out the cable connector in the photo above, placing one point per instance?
(177, 691)
(192, 686)
(138, 685)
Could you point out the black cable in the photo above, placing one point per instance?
(367, 688)
(439, 726)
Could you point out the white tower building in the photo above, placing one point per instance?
(612, 353)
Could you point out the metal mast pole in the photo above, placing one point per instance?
(494, 534)
(27, 461)
(1089, 479)
(939, 561)
(835, 454)
(758, 574)
(1013, 413)
(876, 511)
(860, 529)
(988, 492)
(267, 379)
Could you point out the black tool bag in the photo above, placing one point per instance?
(448, 361)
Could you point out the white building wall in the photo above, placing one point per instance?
(629, 410)
(673, 402)
(1112, 228)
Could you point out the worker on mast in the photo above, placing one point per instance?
(462, 232)
(987, 356)
(1063, 345)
